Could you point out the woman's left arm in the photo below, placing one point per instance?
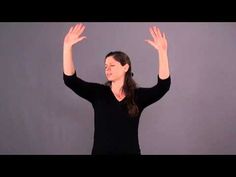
(159, 42)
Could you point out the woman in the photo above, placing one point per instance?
(117, 104)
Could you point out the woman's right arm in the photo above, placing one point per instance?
(71, 38)
(86, 90)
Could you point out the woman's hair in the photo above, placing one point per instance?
(129, 84)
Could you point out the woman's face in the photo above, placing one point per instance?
(114, 70)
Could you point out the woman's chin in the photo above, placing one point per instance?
(109, 79)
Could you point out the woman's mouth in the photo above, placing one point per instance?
(109, 74)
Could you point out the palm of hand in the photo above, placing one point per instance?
(159, 41)
(74, 34)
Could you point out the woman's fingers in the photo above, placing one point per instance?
(159, 41)
(81, 38)
(81, 30)
(158, 32)
(164, 36)
(152, 43)
(74, 34)
(77, 28)
(71, 29)
(153, 34)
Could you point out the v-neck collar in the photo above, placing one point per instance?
(113, 95)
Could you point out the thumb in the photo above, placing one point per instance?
(151, 43)
(81, 38)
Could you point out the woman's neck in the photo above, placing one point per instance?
(117, 86)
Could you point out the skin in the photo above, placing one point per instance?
(159, 42)
(114, 71)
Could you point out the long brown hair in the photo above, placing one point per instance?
(129, 83)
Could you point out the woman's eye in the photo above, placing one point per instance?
(110, 66)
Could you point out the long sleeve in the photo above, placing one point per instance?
(86, 90)
(148, 96)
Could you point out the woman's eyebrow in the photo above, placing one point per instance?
(109, 63)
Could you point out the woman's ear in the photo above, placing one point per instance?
(126, 67)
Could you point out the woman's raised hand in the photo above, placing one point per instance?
(159, 41)
(74, 35)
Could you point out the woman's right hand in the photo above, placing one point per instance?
(74, 35)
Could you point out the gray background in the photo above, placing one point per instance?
(40, 115)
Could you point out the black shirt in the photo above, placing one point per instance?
(115, 131)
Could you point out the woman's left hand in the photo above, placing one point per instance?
(159, 41)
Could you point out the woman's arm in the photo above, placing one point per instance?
(71, 38)
(86, 90)
(159, 42)
(148, 96)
